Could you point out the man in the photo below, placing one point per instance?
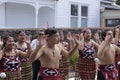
(50, 54)
(36, 64)
(116, 41)
(106, 54)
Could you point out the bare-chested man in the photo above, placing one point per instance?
(106, 54)
(116, 41)
(49, 55)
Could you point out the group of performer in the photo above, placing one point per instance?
(41, 58)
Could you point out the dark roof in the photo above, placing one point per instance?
(110, 5)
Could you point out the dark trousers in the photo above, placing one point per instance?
(100, 76)
(36, 68)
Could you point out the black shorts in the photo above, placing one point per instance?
(100, 76)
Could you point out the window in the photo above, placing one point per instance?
(84, 16)
(74, 15)
(78, 14)
(112, 22)
(74, 10)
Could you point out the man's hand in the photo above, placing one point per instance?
(108, 38)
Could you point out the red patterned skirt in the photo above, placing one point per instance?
(117, 59)
(50, 73)
(109, 72)
(86, 69)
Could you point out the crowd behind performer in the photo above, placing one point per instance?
(49, 55)
(25, 63)
(116, 41)
(106, 54)
(86, 64)
(10, 58)
(36, 64)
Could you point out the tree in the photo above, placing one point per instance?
(118, 2)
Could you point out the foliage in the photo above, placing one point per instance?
(118, 2)
(74, 58)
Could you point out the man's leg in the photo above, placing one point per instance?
(100, 76)
(35, 68)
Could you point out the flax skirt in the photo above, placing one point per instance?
(13, 76)
(26, 70)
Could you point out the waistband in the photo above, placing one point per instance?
(49, 72)
(109, 67)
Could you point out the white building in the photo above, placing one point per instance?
(58, 13)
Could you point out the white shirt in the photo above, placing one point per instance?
(34, 43)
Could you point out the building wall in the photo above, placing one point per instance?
(19, 15)
(46, 17)
(2, 15)
(63, 12)
(109, 14)
(22, 13)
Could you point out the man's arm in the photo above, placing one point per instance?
(38, 50)
(115, 41)
(36, 53)
(117, 50)
(103, 46)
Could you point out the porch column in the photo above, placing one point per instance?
(36, 18)
(36, 15)
(56, 6)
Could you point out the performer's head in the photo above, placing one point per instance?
(21, 36)
(87, 34)
(52, 35)
(61, 35)
(8, 43)
(106, 33)
(116, 29)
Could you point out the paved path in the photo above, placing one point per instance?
(72, 74)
